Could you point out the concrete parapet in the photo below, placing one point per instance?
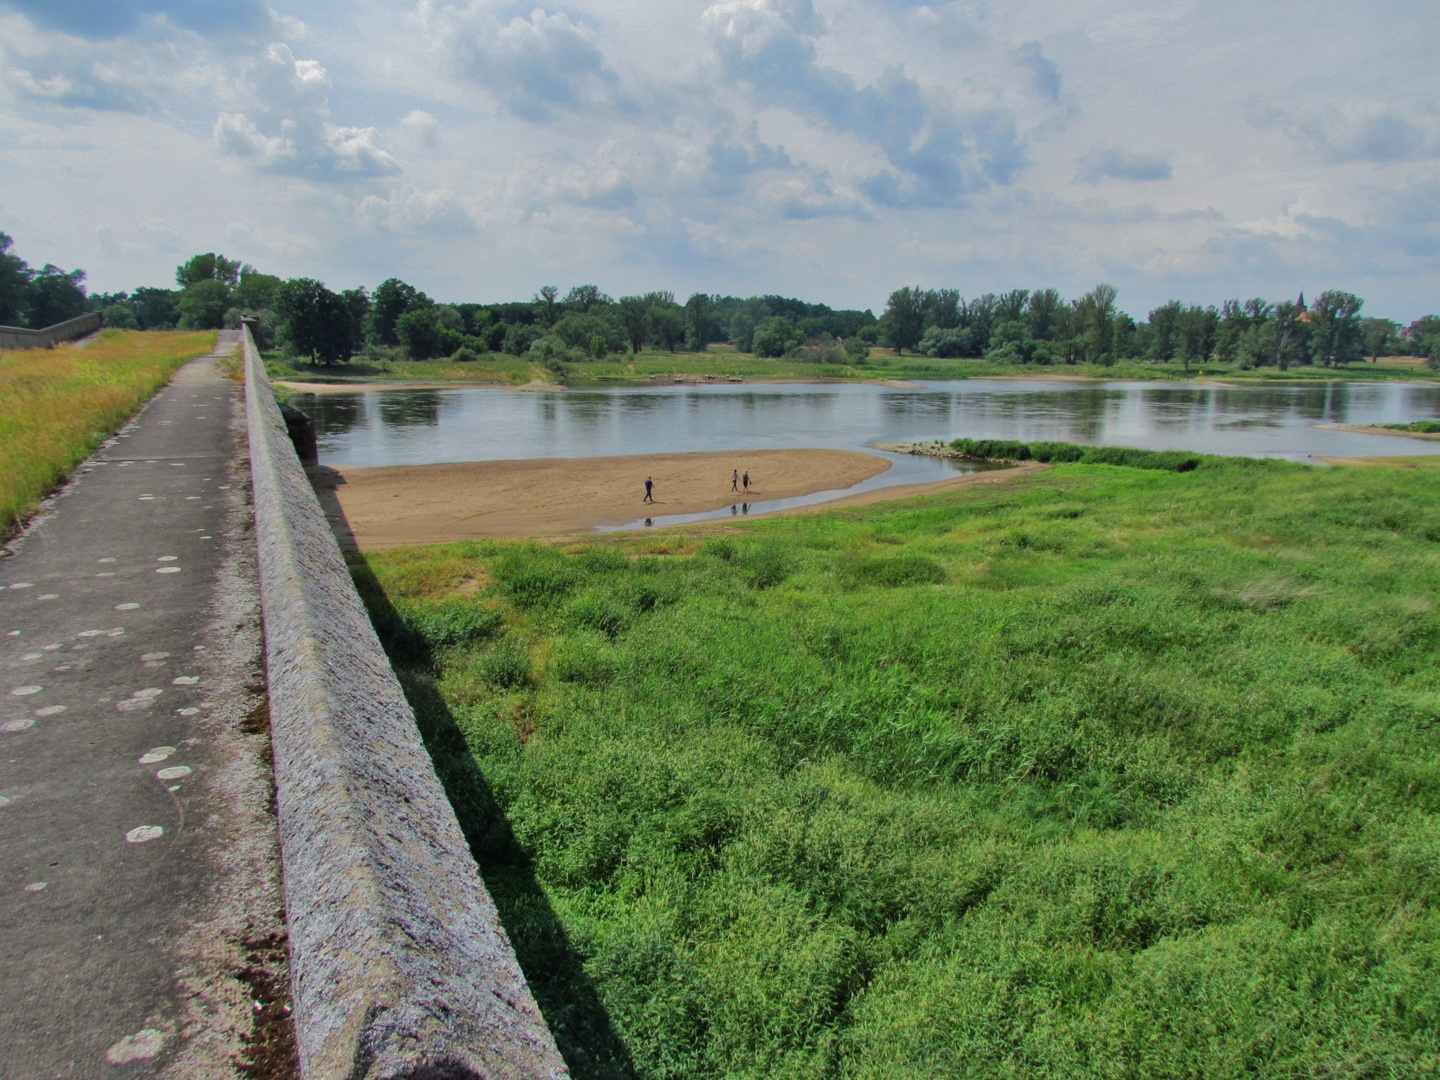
(17, 337)
(400, 967)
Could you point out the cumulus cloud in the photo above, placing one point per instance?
(1115, 164)
(533, 66)
(937, 152)
(288, 131)
(1044, 75)
(1374, 131)
(409, 210)
(423, 126)
(730, 160)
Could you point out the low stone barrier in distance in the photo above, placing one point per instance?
(17, 337)
(399, 965)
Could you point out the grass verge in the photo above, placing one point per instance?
(58, 405)
(1108, 772)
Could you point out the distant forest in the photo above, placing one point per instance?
(308, 320)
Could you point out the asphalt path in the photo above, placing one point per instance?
(141, 932)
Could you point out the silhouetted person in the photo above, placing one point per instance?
(650, 490)
(746, 480)
(735, 480)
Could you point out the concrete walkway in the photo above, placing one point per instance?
(141, 932)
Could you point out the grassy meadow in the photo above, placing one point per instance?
(1106, 772)
(57, 405)
(723, 361)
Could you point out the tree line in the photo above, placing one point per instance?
(309, 320)
(1041, 327)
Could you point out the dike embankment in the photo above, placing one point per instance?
(400, 967)
(17, 337)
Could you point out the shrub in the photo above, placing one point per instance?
(505, 664)
(464, 355)
(534, 576)
(896, 572)
(598, 609)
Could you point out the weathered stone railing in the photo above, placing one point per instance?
(399, 965)
(17, 337)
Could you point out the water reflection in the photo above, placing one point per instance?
(409, 408)
(485, 423)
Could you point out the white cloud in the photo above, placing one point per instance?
(532, 66)
(424, 127)
(292, 134)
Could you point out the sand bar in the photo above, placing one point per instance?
(432, 504)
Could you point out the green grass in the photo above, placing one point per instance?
(1420, 427)
(722, 362)
(58, 405)
(1102, 772)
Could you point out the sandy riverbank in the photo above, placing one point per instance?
(432, 504)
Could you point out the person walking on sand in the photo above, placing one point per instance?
(649, 490)
(735, 480)
(746, 480)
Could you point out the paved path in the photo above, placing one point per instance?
(139, 900)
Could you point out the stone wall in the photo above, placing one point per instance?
(17, 337)
(400, 966)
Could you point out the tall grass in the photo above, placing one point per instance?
(1107, 772)
(57, 405)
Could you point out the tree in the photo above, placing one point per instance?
(1099, 305)
(155, 309)
(54, 296)
(207, 267)
(904, 318)
(635, 320)
(1041, 313)
(586, 298)
(699, 322)
(256, 291)
(667, 321)
(14, 284)
(775, 336)
(392, 299)
(1165, 325)
(1381, 337)
(203, 305)
(942, 308)
(1336, 336)
(315, 322)
(420, 332)
(547, 308)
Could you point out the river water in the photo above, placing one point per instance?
(416, 427)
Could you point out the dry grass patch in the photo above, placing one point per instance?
(58, 405)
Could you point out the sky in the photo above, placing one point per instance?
(832, 150)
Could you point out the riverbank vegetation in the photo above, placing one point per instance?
(1104, 772)
(58, 405)
(586, 336)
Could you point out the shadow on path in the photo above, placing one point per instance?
(551, 964)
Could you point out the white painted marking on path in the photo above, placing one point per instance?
(36, 886)
(156, 753)
(175, 772)
(154, 655)
(18, 725)
(50, 710)
(168, 570)
(185, 680)
(25, 691)
(23, 585)
(126, 607)
(144, 834)
(189, 710)
(168, 558)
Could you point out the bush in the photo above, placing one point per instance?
(1059, 452)
(465, 355)
(897, 572)
(992, 449)
(535, 576)
(505, 664)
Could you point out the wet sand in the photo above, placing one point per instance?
(432, 504)
(1376, 429)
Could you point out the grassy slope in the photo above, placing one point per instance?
(723, 361)
(1103, 773)
(57, 405)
